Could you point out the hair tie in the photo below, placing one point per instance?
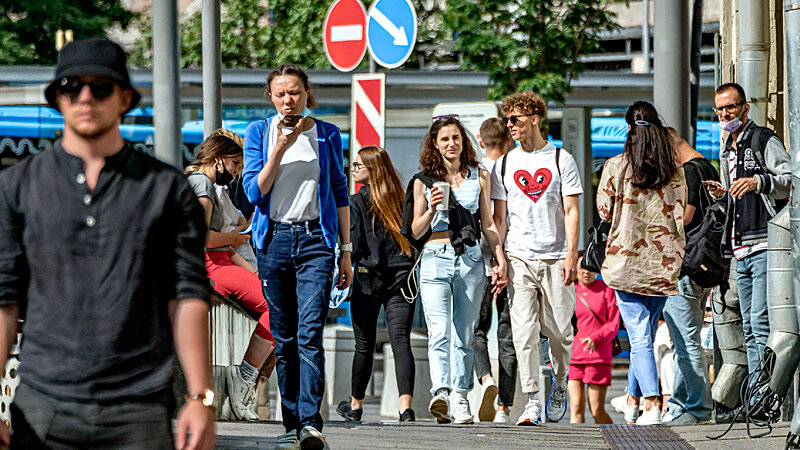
(642, 123)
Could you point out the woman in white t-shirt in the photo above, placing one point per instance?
(294, 176)
(451, 262)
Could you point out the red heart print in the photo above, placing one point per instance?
(533, 186)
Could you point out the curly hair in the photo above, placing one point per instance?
(431, 160)
(528, 101)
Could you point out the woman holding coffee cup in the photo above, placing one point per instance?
(451, 208)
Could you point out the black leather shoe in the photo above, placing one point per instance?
(408, 416)
(729, 416)
(349, 414)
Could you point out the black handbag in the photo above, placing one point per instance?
(595, 252)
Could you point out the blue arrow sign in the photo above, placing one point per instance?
(391, 31)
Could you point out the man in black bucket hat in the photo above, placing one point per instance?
(101, 254)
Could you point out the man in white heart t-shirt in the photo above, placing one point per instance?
(536, 204)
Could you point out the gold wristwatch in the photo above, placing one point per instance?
(207, 397)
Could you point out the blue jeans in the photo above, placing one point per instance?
(640, 314)
(296, 268)
(751, 280)
(684, 316)
(443, 276)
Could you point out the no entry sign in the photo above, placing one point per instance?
(344, 34)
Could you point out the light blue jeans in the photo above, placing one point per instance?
(640, 314)
(751, 280)
(684, 314)
(445, 276)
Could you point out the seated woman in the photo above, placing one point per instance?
(218, 160)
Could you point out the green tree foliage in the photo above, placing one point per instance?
(527, 44)
(254, 35)
(28, 27)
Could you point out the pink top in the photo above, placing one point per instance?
(604, 304)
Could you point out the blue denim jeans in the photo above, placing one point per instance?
(445, 276)
(684, 314)
(640, 314)
(751, 280)
(296, 269)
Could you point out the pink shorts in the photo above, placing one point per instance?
(599, 374)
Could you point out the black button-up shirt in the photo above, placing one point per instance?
(93, 271)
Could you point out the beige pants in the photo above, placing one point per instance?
(539, 302)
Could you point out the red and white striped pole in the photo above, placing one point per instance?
(368, 113)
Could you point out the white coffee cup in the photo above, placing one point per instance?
(443, 186)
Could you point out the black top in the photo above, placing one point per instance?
(697, 170)
(93, 272)
(373, 246)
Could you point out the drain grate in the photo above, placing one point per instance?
(631, 437)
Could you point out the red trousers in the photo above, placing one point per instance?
(232, 280)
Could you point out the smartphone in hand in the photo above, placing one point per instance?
(713, 184)
(290, 120)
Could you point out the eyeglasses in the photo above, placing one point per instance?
(72, 87)
(445, 116)
(358, 166)
(728, 108)
(513, 119)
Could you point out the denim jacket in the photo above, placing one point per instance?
(332, 187)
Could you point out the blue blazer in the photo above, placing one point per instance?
(332, 187)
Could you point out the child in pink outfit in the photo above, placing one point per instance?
(598, 323)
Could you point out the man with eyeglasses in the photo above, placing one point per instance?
(101, 254)
(535, 188)
(756, 182)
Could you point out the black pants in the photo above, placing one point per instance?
(507, 358)
(369, 295)
(42, 422)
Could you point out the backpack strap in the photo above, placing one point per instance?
(503, 173)
(757, 146)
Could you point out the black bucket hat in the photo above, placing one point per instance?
(94, 56)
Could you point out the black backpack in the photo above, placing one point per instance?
(703, 261)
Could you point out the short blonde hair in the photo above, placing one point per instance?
(528, 101)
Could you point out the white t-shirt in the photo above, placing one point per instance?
(535, 212)
(293, 196)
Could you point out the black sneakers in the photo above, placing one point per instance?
(407, 416)
(349, 414)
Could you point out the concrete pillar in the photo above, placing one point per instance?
(576, 134)
(212, 68)
(671, 63)
(166, 83)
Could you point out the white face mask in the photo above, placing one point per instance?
(732, 125)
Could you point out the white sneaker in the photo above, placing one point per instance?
(242, 395)
(461, 412)
(532, 414)
(651, 416)
(667, 417)
(619, 403)
(631, 413)
(488, 395)
(556, 405)
(500, 416)
(439, 408)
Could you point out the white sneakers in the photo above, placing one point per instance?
(532, 414)
(242, 395)
(500, 416)
(486, 410)
(439, 408)
(461, 412)
(651, 416)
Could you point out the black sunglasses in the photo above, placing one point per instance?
(72, 87)
(513, 119)
(445, 116)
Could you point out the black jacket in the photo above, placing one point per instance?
(373, 246)
(464, 227)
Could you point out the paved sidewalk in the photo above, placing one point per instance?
(428, 435)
